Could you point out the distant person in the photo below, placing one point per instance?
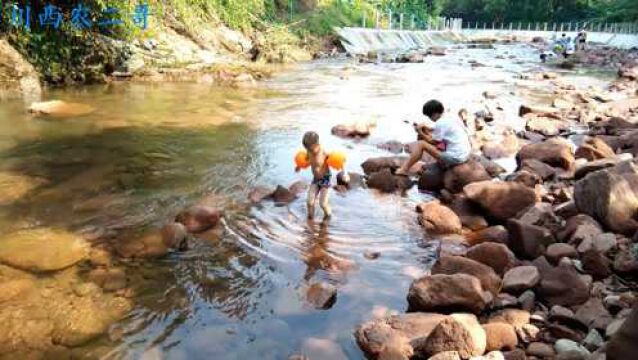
(581, 40)
(321, 182)
(448, 142)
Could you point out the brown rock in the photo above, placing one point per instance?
(517, 354)
(431, 179)
(563, 285)
(450, 265)
(259, 194)
(109, 279)
(198, 219)
(500, 336)
(469, 213)
(457, 177)
(374, 165)
(396, 333)
(459, 332)
(497, 234)
(594, 149)
(591, 166)
(174, 235)
(495, 255)
(594, 315)
(515, 317)
(521, 278)
(624, 343)
(541, 214)
(438, 219)
(540, 350)
(321, 295)
(557, 251)
(544, 171)
(546, 126)
(553, 153)
(501, 200)
(596, 264)
(386, 182)
(448, 293)
(528, 241)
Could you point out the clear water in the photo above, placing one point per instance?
(151, 149)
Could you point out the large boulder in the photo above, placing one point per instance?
(450, 265)
(546, 126)
(459, 332)
(448, 293)
(18, 78)
(438, 219)
(521, 278)
(554, 153)
(373, 165)
(42, 249)
(563, 285)
(358, 129)
(387, 182)
(501, 200)
(458, 176)
(431, 178)
(544, 171)
(528, 241)
(611, 197)
(497, 234)
(624, 343)
(497, 256)
(396, 334)
(468, 212)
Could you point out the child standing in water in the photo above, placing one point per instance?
(320, 187)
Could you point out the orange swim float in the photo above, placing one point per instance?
(336, 160)
(301, 159)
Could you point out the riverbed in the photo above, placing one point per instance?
(148, 150)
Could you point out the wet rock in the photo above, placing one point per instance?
(459, 332)
(431, 179)
(58, 108)
(12, 289)
(526, 178)
(521, 278)
(557, 251)
(450, 265)
(174, 236)
(282, 196)
(448, 293)
(357, 130)
(501, 200)
(495, 255)
(259, 194)
(596, 264)
(150, 245)
(377, 164)
(386, 182)
(497, 234)
(540, 350)
(500, 336)
(199, 218)
(438, 219)
(553, 153)
(546, 126)
(544, 171)
(395, 334)
(563, 285)
(594, 149)
(565, 345)
(109, 279)
(42, 249)
(321, 295)
(457, 177)
(528, 241)
(350, 180)
(19, 77)
(609, 197)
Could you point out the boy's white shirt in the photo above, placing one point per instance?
(452, 132)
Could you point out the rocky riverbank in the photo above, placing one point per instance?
(535, 264)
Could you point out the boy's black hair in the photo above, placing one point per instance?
(433, 107)
(309, 139)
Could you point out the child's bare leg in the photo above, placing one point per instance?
(313, 190)
(422, 146)
(324, 202)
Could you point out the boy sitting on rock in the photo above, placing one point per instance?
(448, 142)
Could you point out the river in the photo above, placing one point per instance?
(150, 149)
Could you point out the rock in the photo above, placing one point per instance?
(602, 243)
(528, 333)
(557, 251)
(13, 288)
(593, 340)
(541, 214)
(497, 234)
(283, 195)
(468, 213)
(109, 279)
(614, 327)
(450, 265)
(259, 194)
(594, 315)
(562, 104)
(553, 153)
(59, 109)
(459, 332)
(495, 255)
(625, 261)
(566, 345)
(397, 333)
(377, 164)
(321, 295)
(563, 285)
(174, 236)
(298, 187)
(446, 355)
(591, 166)
(437, 51)
(517, 354)
(536, 110)
(149, 245)
(528, 241)
(19, 78)
(527, 300)
(521, 278)
(515, 317)
(448, 293)
(596, 264)
(42, 249)
(492, 168)
(438, 219)
(540, 350)
(386, 182)
(458, 176)
(199, 218)
(500, 336)
(546, 126)
(594, 149)
(355, 130)
(579, 228)
(526, 178)
(431, 179)
(501, 200)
